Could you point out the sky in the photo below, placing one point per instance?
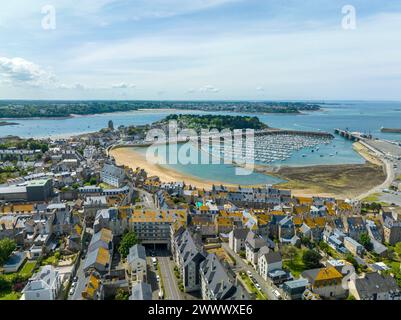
(201, 49)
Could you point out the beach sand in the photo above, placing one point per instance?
(134, 159)
(340, 181)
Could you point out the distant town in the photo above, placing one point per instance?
(15, 109)
(75, 225)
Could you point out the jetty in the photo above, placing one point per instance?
(353, 136)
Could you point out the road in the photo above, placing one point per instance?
(267, 288)
(81, 282)
(171, 290)
(382, 147)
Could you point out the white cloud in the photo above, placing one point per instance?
(18, 71)
(209, 89)
(260, 88)
(76, 86)
(123, 85)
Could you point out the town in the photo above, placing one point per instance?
(74, 225)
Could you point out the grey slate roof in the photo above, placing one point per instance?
(273, 257)
(374, 283)
(240, 233)
(217, 278)
(141, 291)
(112, 170)
(255, 241)
(136, 252)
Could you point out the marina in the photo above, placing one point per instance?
(271, 148)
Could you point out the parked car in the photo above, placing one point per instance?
(277, 294)
(249, 273)
(257, 285)
(72, 290)
(157, 278)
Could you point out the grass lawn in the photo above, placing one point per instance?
(296, 266)
(10, 296)
(105, 186)
(372, 198)
(251, 287)
(50, 260)
(27, 269)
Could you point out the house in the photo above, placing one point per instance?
(355, 227)
(113, 175)
(279, 276)
(392, 231)
(253, 243)
(188, 258)
(100, 251)
(44, 285)
(326, 282)
(141, 291)
(286, 230)
(99, 260)
(354, 247)
(137, 262)
(14, 262)
(236, 239)
(217, 283)
(93, 288)
(295, 288)
(375, 286)
(268, 261)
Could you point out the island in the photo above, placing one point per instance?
(390, 130)
(6, 123)
(62, 109)
(219, 122)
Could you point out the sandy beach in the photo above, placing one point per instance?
(341, 181)
(134, 159)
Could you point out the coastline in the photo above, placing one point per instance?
(133, 159)
(341, 181)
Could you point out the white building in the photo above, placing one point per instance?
(113, 175)
(44, 285)
(236, 239)
(268, 261)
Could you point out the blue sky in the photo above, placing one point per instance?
(201, 49)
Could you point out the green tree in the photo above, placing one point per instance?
(364, 239)
(397, 249)
(289, 252)
(311, 259)
(121, 295)
(7, 246)
(129, 239)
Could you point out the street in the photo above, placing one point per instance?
(267, 289)
(80, 286)
(171, 290)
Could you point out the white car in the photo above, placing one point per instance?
(277, 294)
(249, 273)
(72, 290)
(257, 285)
(157, 278)
(73, 285)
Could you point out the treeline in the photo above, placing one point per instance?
(219, 122)
(59, 109)
(29, 144)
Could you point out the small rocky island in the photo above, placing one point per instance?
(5, 123)
(390, 130)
